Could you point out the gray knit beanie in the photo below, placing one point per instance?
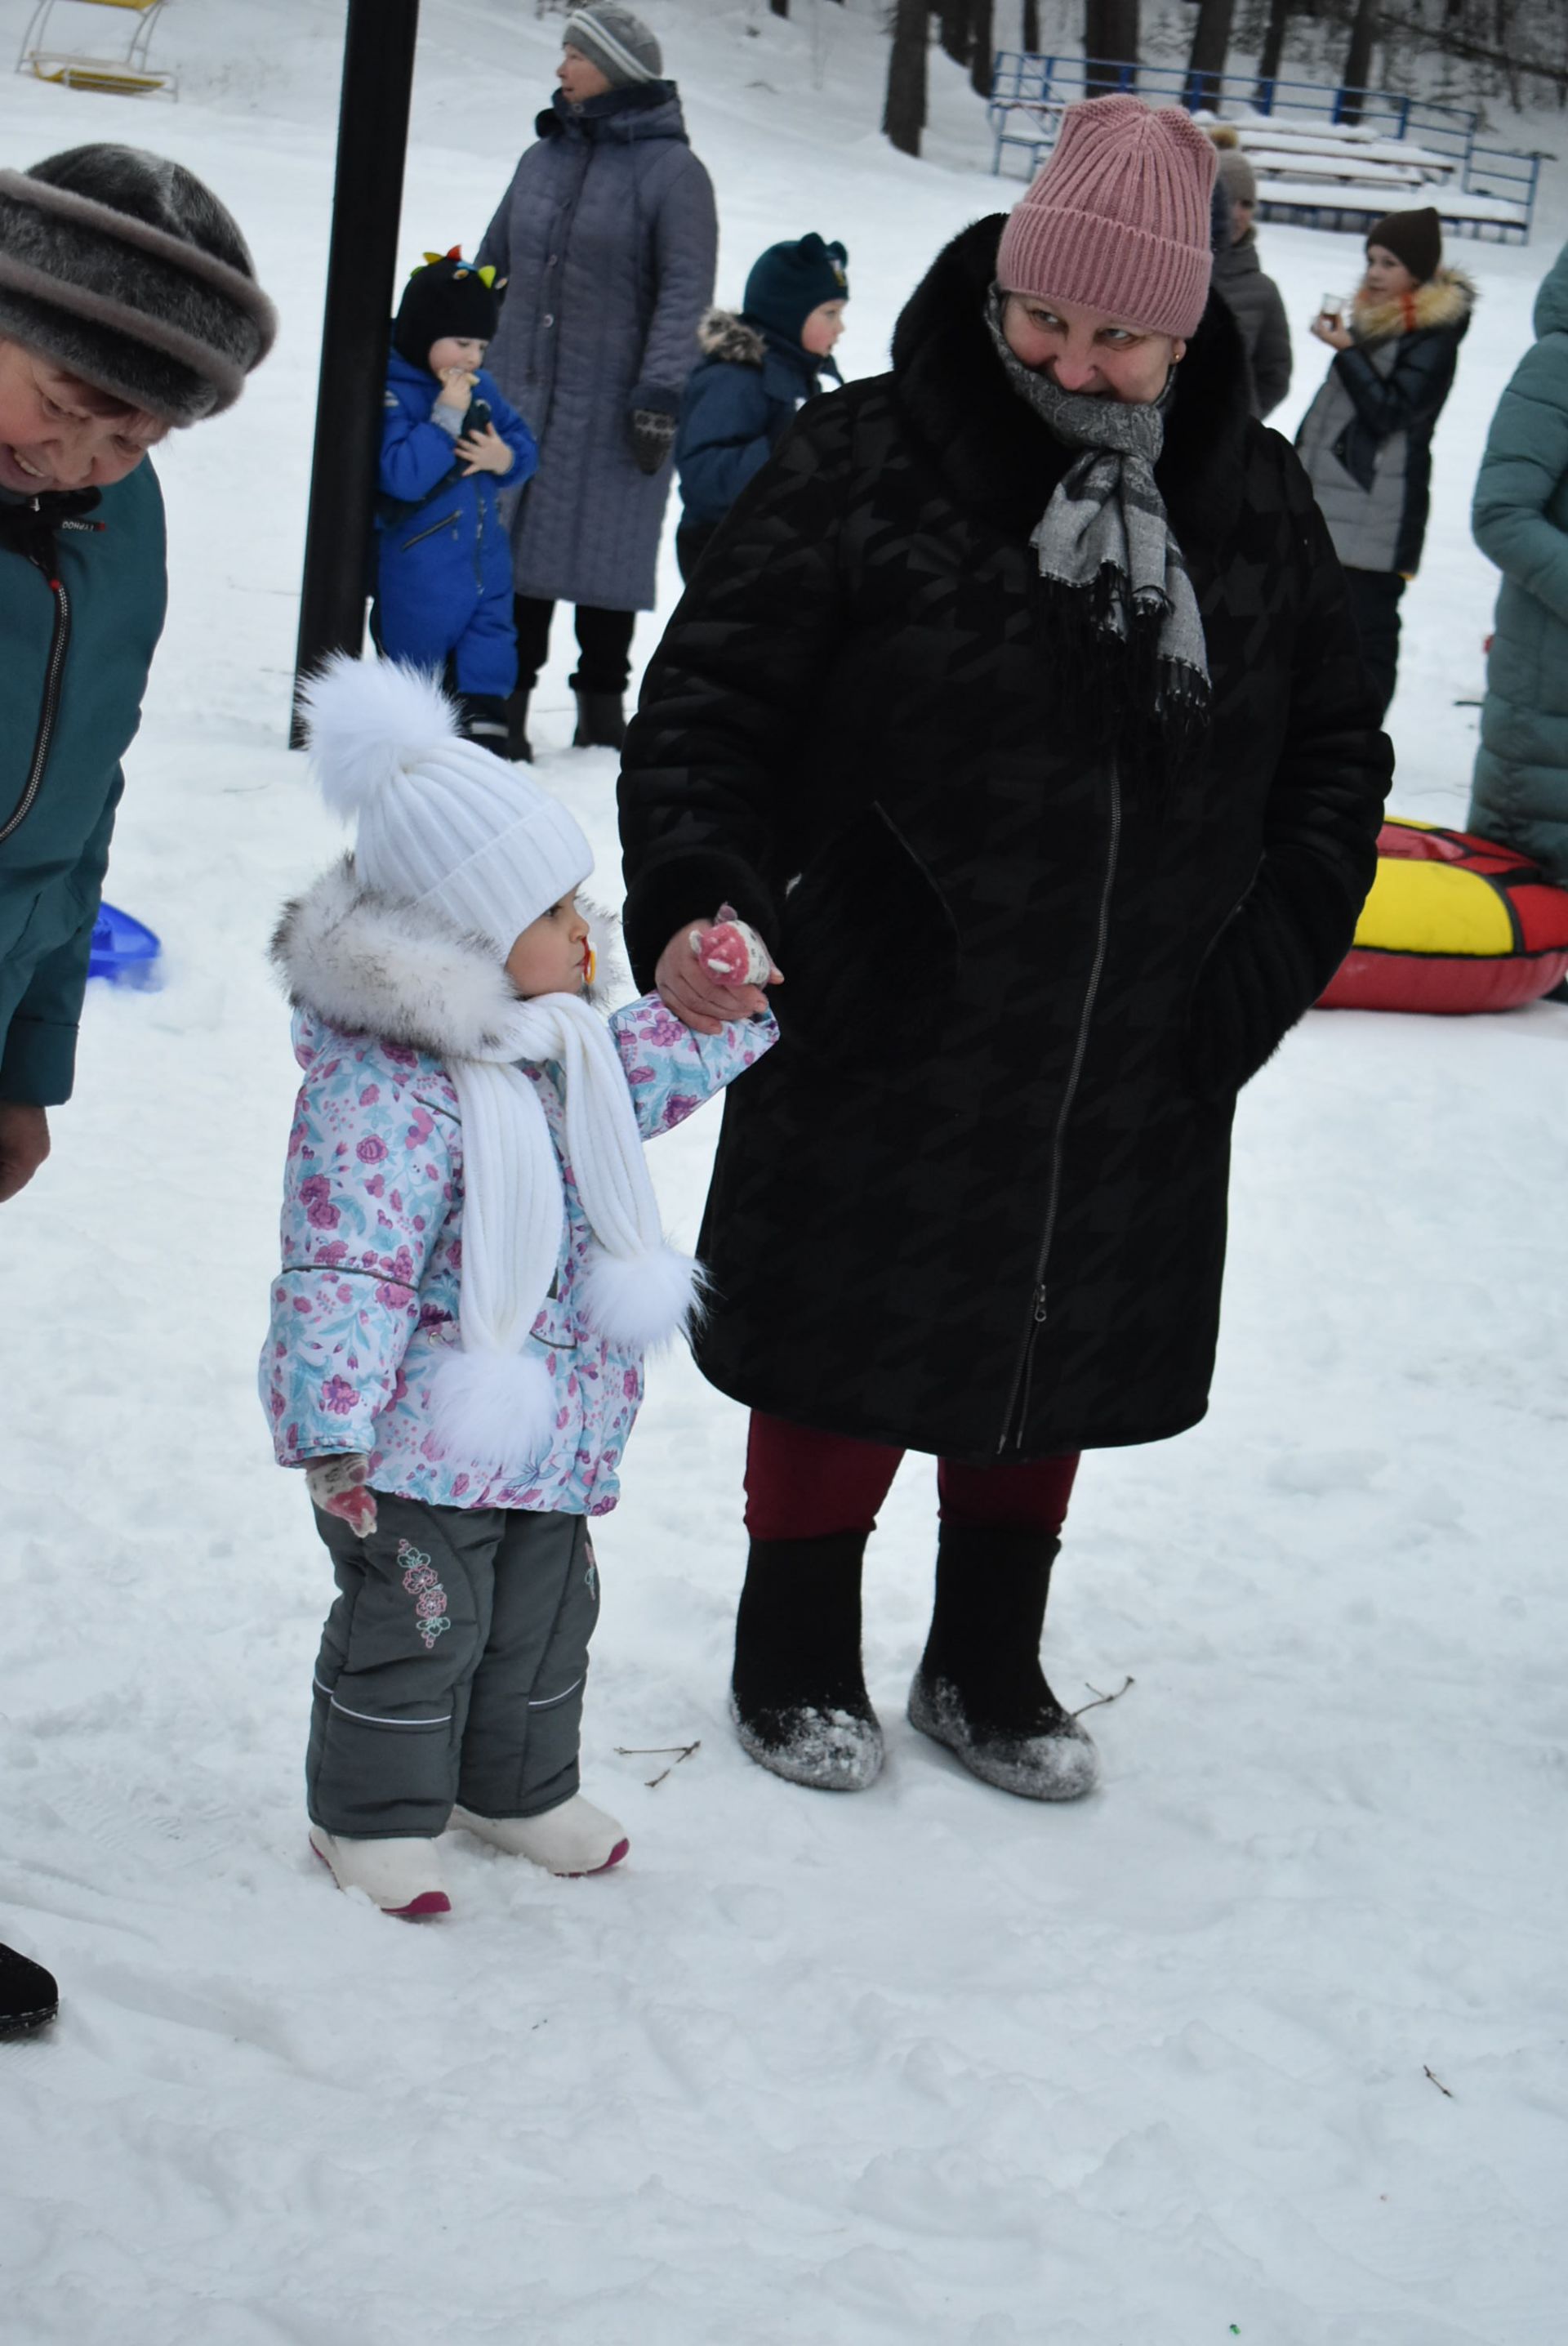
(122, 267)
(615, 41)
(1238, 176)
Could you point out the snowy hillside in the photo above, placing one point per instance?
(1265, 2040)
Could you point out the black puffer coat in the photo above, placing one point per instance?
(975, 1202)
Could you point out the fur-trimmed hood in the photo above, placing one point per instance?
(371, 966)
(999, 458)
(1445, 300)
(725, 334)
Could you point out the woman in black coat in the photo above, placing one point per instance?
(1053, 847)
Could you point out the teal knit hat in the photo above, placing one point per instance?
(789, 280)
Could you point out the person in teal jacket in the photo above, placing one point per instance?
(129, 303)
(1519, 518)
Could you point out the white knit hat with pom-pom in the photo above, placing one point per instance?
(440, 822)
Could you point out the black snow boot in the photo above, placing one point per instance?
(798, 1699)
(979, 1688)
(601, 719)
(28, 1996)
(484, 720)
(519, 749)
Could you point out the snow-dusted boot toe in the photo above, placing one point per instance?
(402, 1876)
(1056, 1761)
(799, 1697)
(832, 1749)
(29, 1998)
(573, 1838)
(979, 1688)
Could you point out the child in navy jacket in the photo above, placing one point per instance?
(450, 445)
(756, 371)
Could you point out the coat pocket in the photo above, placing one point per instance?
(446, 522)
(869, 949)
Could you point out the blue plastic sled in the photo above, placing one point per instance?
(123, 950)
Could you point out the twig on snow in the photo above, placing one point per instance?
(1099, 1697)
(1437, 2082)
(656, 1751)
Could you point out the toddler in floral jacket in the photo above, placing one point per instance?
(473, 1269)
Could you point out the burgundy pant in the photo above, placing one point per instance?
(803, 1484)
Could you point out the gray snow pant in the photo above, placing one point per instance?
(451, 1669)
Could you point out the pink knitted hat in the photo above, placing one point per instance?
(1119, 218)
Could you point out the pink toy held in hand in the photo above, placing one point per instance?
(732, 951)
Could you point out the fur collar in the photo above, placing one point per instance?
(725, 334)
(369, 965)
(1000, 460)
(1446, 300)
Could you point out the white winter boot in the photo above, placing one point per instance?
(574, 1838)
(402, 1876)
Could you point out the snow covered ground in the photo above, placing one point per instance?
(1265, 2040)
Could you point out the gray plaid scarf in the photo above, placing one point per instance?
(1106, 547)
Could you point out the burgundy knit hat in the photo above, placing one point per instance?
(1119, 218)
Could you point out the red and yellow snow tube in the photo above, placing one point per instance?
(1452, 924)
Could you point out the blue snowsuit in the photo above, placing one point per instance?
(443, 570)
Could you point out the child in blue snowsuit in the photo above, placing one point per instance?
(450, 445)
(756, 369)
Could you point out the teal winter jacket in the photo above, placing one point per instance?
(82, 593)
(1520, 516)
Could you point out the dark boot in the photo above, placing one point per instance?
(798, 1699)
(979, 1688)
(28, 1996)
(601, 719)
(519, 749)
(484, 720)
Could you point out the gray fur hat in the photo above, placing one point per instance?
(615, 41)
(124, 267)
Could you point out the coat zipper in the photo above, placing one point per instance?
(479, 545)
(59, 644)
(445, 523)
(1023, 1376)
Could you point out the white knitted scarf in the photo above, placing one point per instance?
(494, 1399)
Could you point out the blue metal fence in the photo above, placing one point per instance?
(1029, 90)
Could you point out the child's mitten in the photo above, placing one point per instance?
(338, 1486)
(732, 951)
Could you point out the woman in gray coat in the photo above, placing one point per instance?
(607, 240)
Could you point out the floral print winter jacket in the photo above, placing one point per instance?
(366, 1299)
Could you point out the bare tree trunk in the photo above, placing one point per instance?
(1211, 48)
(953, 33)
(779, 7)
(904, 112)
(1279, 13)
(1032, 25)
(1358, 59)
(981, 58)
(1110, 32)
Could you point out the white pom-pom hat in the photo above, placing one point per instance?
(438, 821)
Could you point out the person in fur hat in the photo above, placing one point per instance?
(128, 306)
(450, 446)
(473, 1269)
(758, 368)
(1365, 440)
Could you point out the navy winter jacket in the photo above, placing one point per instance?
(443, 544)
(740, 401)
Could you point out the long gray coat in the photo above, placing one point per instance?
(608, 239)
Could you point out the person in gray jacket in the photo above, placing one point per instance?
(607, 238)
(1365, 440)
(1254, 298)
(1519, 518)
